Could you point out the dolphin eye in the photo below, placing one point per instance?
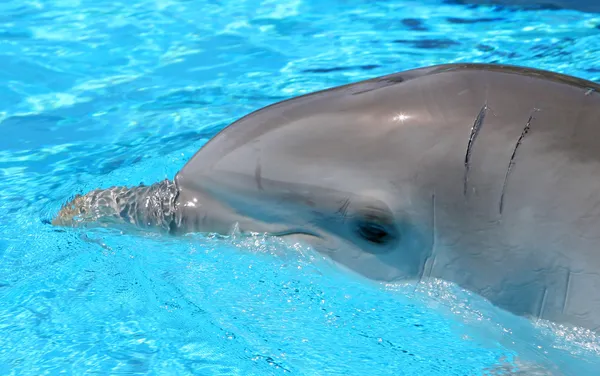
(375, 225)
(372, 232)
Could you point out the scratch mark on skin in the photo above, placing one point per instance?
(568, 288)
(512, 158)
(343, 210)
(430, 260)
(258, 175)
(433, 234)
(472, 137)
(543, 305)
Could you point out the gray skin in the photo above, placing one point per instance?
(483, 175)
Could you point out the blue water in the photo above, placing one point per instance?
(97, 93)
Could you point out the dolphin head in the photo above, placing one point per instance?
(333, 175)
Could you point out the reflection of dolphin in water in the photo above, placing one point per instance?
(484, 175)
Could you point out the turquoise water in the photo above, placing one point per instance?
(99, 93)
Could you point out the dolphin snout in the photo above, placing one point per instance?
(67, 215)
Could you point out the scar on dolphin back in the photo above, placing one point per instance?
(511, 163)
(472, 137)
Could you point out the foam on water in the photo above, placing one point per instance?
(101, 93)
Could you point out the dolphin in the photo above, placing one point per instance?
(484, 175)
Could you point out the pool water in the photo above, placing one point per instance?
(95, 93)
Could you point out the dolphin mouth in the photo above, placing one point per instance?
(298, 235)
(311, 239)
(293, 232)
